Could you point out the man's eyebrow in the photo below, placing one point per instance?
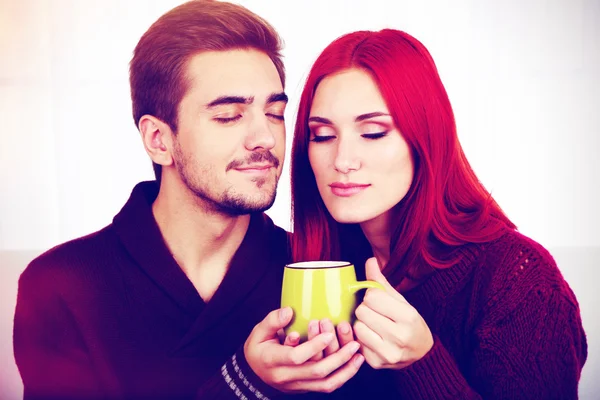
(275, 97)
(230, 100)
(363, 117)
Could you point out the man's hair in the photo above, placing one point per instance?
(157, 72)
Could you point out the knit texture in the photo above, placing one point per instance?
(506, 325)
(112, 315)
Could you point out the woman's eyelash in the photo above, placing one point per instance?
(370, 136)
(318, 139)
(373, 136)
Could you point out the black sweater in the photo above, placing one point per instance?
(112, 315)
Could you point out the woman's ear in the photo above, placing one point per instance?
(157, 138)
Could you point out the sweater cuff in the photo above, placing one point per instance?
(435, 376)
(242, 380)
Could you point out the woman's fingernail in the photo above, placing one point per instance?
(358, 360)
(345, 329)
(325, 325)
(354, 347)
(313, 326)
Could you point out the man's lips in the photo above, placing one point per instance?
(255, 168)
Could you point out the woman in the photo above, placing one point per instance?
(472, 308)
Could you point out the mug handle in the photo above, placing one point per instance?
(356, 286)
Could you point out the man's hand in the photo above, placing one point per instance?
(315, 327)
(290, 368)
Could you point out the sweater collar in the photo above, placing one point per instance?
(438, 285)
(139, 233)
(444, 282)
(255, 257)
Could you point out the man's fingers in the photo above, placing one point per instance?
(307, 350)
(332, 381)
(312, 370)
(313, 332)
(344, 333)
(323, 368)
(292, 339)
(274, 321)
(279, 355)
(327, 326)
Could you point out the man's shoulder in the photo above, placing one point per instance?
(78, 256)
(282, 234)
(276, 232)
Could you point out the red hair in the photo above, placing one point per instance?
(446, 206)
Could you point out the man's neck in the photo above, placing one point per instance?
(201, 240)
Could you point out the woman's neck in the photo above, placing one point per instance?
(378, 233)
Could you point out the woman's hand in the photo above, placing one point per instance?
(391, 332)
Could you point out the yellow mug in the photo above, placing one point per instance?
(318, 290)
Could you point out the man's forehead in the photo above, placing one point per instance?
(245, 73)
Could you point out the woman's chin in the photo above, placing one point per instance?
(349, 217)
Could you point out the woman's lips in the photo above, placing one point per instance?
(347, 189)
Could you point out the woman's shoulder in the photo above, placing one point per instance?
(518, 245)
(513, 265)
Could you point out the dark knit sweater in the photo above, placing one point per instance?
(506, 326)
(111, 315)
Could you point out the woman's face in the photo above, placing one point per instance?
(360, 160)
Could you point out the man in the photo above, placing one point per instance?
(167, 300)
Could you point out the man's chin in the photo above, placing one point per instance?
(264, 202)
(262, 184)
(249, 203)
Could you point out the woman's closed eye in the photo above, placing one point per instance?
(322, 133)
(369, 136)
(321, 138)
(374, 136)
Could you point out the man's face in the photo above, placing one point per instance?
(230, 144)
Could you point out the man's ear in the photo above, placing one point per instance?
(157, 138)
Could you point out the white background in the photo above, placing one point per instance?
(522, 77)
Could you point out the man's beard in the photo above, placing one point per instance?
(238, 205)
(227, 203)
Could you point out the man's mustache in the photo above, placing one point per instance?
(256, 157)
